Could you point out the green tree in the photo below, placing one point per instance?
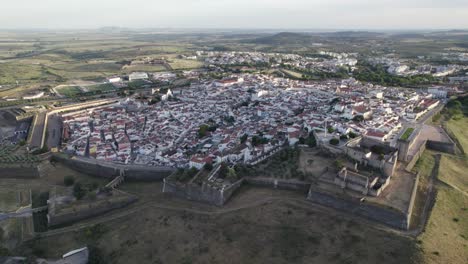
(203, 130)
(68, 180)
(243, 138)
(334, 141)
(78, 191)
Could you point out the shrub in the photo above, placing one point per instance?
(208, 166)
(78, 191)
(68, 180)
(358, 118)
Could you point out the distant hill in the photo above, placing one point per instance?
(285, 38)
(353, 34)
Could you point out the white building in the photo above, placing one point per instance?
(114, 79)
(33, 96)
(437, 92)
(137, 76)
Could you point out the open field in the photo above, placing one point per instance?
(460, 129)
(68, 91)
(179, 64)
(275, 232)
(99, 87)
(445, 237)
(144, 68)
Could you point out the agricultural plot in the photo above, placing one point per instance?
(23, 73)
(7, 156)
(179, 64)
(99, 87)
(144, 68)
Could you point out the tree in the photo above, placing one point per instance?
(231, 175)
(223, 171)
(334, 141)
(78, 191)
(243, 138)
(358, 118)
(68, 180)
(208, 166)
(352, 135)
(338, 164)
(203, 130)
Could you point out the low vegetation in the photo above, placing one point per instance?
(407, 133)
(379, 75)
(445, 237)
(283, 164)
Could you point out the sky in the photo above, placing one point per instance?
(238, 14)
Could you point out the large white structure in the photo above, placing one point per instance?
(33, 96)
(137, 76)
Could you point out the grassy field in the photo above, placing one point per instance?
(144, 68)
(277, 232)
(100, 87)
(293, 74)
(68, 91)
(179, 64)
(23, 73)
(460, 129)
(445, 237)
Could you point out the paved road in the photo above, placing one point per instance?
(38, 130)
(54, 131)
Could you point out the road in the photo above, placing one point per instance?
(37, 130)
(54, 129)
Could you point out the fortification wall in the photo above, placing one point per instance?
(109, 171)
(412, 200)
(388, 216)
(412, 161)
(203, 193)
(447, 147)
(19, 172)
(86, 212)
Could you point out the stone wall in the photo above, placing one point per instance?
(412, 200)
(110, 171)
(70, 216)
(412, 161)
(386, 216)
(405, 145)
(447, 147)
(204, 193)
(19, 172)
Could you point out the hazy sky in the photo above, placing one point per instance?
(300, 14)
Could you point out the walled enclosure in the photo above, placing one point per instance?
(109, 170)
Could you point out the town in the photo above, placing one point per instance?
(311, 141)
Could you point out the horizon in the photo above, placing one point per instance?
(241, 14)
(235, 30)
